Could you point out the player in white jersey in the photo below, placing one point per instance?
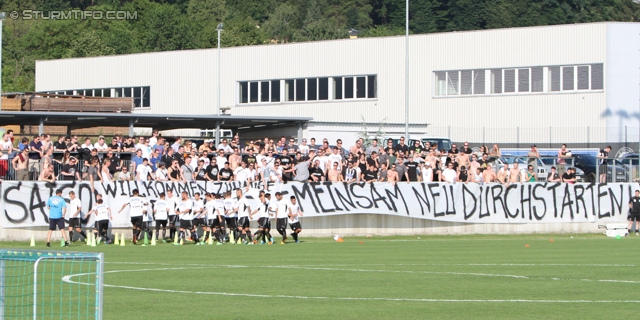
(184, 210)
(103, 215)
(172, 202)
(199, 220)
(209, 210)
(219, 220)
(263, 219)
(244, 215)
(281, 217)
(161, 214)
(137, 207)
(230, 214)
(73, 216)
(294, 222)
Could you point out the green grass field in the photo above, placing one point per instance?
(440, 277)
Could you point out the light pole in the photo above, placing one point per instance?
(2, 15)
(219, 28)
(406, 75)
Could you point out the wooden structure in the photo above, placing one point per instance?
(33, 101)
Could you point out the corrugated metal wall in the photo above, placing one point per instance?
(185, 81)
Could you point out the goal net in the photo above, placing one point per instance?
(38, 284)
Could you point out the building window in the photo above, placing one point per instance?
(141, 95)
(308, 89)
(519, 80)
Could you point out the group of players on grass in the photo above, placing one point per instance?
(221, 217)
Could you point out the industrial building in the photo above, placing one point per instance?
(566, 83)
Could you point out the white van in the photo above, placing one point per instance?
(441, 142)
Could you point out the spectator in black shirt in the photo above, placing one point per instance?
(114, 165)
(569, 176)
(212, 170)
(401, 147)
(634, 212)
(226, 174)
(60, 145)
(454, 149)
(70, 170)
(114, 146)
(412, 169)
(316, 173)
(466, 148)
(370, 175)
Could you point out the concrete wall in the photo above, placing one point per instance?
(368, 224)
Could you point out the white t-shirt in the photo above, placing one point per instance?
(219, 207)
(323, 163)
(161, 174)
(427, 175)
(73, 207)
(335, 158)
(229, 206)
(6, 145)
(206, 161)
(210, 208)
(295, 209)
(162, 209)
(243, 208)
(173, 204)
(303, 149)
(144, 172)
(449, 175)
(242, 174)
(220, 161)
(87, 146)
(282, 209)
(183, 206)
(102, 212)
(137, 206)
(273, 206)
(153, 141)
(198, 209)
(264, 210)
(103, 147)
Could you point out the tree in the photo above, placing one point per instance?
(282, 23)
(89, 44)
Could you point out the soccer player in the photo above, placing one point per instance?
(281, 217)
(161, 213)
(103, 215)
(209, 211)
(231, 214)
(198, 218)
(172, 203)
(263, 219)
(57, 208)
(219, 218)
(244, 214)
(184, 210)
(73, 215)
(137, 207)
(294, 222)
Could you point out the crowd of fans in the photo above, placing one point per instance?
(154, 158)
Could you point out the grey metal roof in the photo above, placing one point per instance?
(79, 120)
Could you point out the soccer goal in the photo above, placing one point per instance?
(47, 284)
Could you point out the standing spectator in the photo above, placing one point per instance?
(6, 147)
(60, 145)
(533, 156)
(73, 144)
(114, 146)
(412, 170)
(201, 171)
(161, 172)
(155, 159)
(47, 174)
(449, 175)
(144, 172)
(20, 163)
(128, 145)
(562, 162)
(154, 138)
(569, 176)
(101, 146)
(392, 174)
(530, 176)
(224, 147)
(226, 174)
(24, 144)
(313, 146)
(124, 174)
(46, 142)
(176, 145)
(187, 169)
(105, 176)
(373, 147)
(137, 159)
(604, 154)
(382, 175)
(495, 151)
(70, 170)
(212, 170)
(303, 148)
(92, 173)
(35, 154)
(87, 144)
(466, 149)
(503, 174)
(115, 162)
(553, 175)
(291, 147)
(489, 175)
(402, 147)
(302, 170)
(10, 133)
(427, 172)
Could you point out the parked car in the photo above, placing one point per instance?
(588, 163)
(441, 142)
(552, 161)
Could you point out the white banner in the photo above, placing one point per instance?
(24, 203)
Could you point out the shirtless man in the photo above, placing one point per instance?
(462, 159)
(334, 173)
(514, 174)
(356, 147)
(476, 176)
(503, 174)
(47, 174)
(474, 164)
(20, 164)
(489, 175)
(234, 159)
(392, 174)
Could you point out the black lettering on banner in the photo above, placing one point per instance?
(507, 213)
(600, 196)
(219, 185)
(182, 187)
(579, 191)
(344, 199)
(361, 185)
(141, 192)
(110, 189)
(525, 198)
(315, 186)
(453, 201)
(64, 186)
(193, 186)
(567, 202)
(37, 203)
(375, 197)
(202, 187)
(160, 187)
(420, 199)
(498, 198)
(397, 194)
(122, 193)
(615, 204)
(22, 216)
(328, 185)
(81, 188)
(555, 199)
(536, 197)
(434, 195)
(466, 191)
(148, 187)
(486, 203)
(302, 195)
(593, 200)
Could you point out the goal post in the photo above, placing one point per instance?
(38, 284)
